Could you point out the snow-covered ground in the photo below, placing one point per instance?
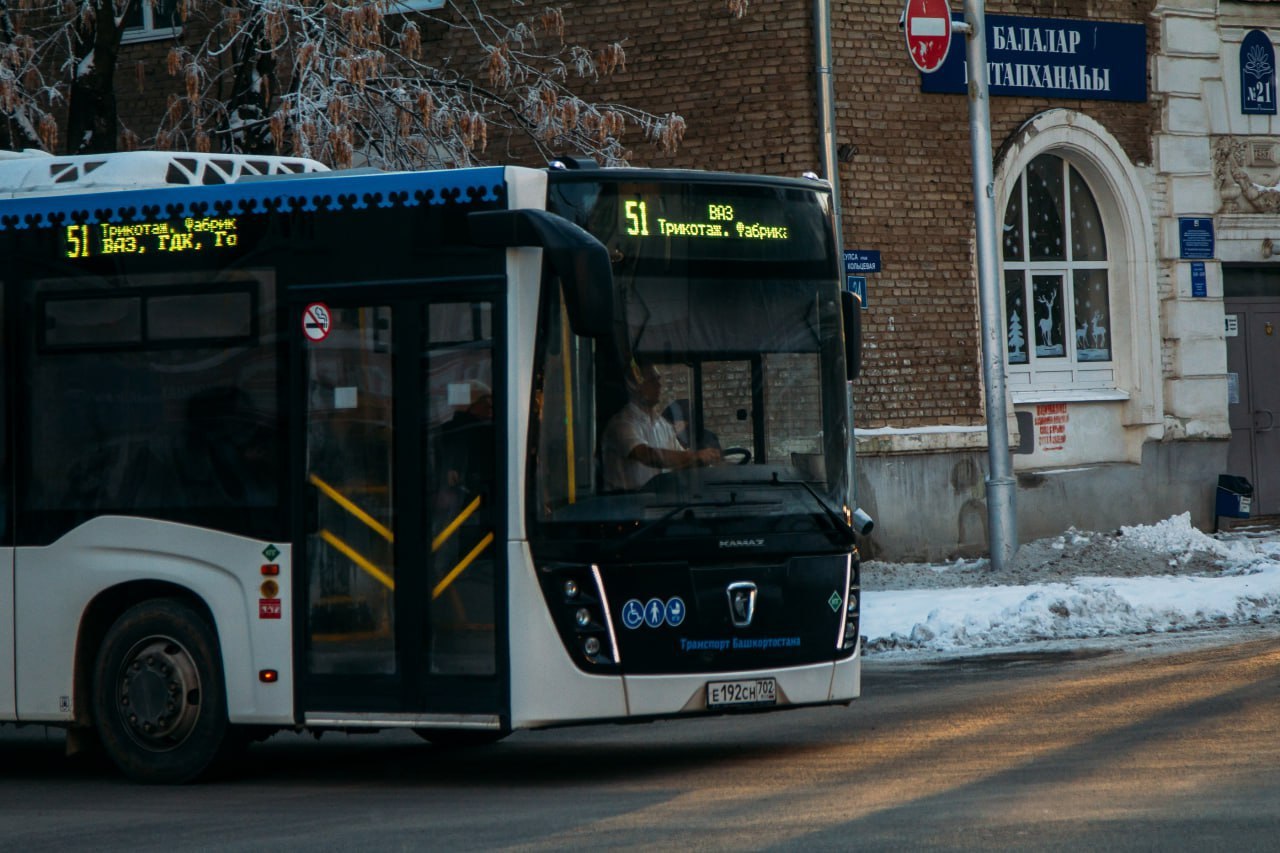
(1136, 581)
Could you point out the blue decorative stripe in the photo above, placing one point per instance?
(316, 192)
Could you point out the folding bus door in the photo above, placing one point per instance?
(400, 538)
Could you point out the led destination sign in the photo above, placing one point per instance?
(767, 226)
(719, 222)
(140, 238)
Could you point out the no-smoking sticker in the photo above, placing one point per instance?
(315, 321)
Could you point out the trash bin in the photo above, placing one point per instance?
(1235, 496)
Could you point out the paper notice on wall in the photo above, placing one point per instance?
(1233, 326)
(1233, 389)
(1051, 426)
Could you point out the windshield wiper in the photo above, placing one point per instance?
(836, 517)
(683, 506)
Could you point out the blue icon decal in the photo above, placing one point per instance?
(655, 612)
(675, 611)
(633, 613)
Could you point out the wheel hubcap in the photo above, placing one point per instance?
(158, 698)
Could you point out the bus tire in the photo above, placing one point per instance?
(459, 738)
(159, 701)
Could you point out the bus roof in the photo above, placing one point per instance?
(285, 191)
(33, 173)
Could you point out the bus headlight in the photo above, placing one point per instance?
(575, 594)
(851, 610)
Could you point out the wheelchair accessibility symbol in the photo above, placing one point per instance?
(633, 614)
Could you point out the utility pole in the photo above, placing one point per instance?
(1002, 526)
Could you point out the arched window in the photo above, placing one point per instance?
(1080, 267)
(1057, 281)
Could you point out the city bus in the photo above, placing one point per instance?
(286, 448)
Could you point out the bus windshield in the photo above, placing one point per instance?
(733, 359)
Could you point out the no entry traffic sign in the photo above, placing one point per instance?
(928, 27)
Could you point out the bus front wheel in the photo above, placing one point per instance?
(158, 697)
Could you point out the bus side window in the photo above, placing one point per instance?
(224, 433)
(152, 418)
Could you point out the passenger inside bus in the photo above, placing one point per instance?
(639, 442)
(467, 445)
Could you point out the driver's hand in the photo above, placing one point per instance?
(708, 456)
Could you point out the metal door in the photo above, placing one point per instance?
(1253, 354)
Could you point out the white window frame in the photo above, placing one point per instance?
(1064, 372)
(1123, 206)
(148, 31)
(402, 6)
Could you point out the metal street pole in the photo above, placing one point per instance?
(831, 166)
(1002, 528)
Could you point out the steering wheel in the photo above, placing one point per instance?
(736, 455)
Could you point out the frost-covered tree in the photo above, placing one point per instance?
(59, 59)
(343, 81)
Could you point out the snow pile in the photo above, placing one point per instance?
(1177, 536)
(1139, 580)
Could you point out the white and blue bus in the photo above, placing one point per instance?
(285, 448)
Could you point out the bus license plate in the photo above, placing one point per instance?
(754, 691)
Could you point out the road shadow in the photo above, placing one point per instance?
(577, 756)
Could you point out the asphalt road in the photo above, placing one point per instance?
(1094, 749)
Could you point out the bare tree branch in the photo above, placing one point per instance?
(343, 81)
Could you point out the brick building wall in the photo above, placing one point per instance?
(908, 192)
(143, 85)
(747, 89)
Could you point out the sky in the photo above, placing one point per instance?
(1161, 579)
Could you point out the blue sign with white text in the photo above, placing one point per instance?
(1257, 75)
(861, 260)
(1195, 238)
(1052, 58)
(1199, 280)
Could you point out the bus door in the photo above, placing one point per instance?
(399, 535)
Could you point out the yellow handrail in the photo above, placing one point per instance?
(359, 559)
(344, 502)
(458, 569)
(444, 535)
(378, 574)
(566, 366)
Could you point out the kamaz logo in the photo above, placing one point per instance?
(741, 543)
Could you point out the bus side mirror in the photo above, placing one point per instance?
(851, 308)
(581, 261)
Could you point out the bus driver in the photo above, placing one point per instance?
(639, 442)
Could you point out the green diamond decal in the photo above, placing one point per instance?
(271, 552)
(834, 601)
